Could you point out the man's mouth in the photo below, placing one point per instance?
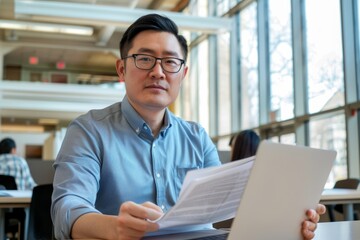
(156, 86)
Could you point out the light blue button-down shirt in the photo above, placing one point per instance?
(110, 156)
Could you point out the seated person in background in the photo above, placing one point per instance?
(16, 166)
(124, 164)
(244, 144)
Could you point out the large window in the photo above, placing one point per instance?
(290, 63)
(249, 67)
(324, 56)
(281, 67)
(328, 132)
(203, 90)
(224, 100)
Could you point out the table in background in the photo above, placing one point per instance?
(340, 230)
(346, 197)
(14, 199)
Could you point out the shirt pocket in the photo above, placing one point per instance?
(180, 176)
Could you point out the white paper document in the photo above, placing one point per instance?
(209, 195)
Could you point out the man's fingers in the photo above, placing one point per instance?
(321, 209)
(154, 211)
(308, 229)
(153, 206)
(136, 216)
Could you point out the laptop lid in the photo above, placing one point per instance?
(285, 181)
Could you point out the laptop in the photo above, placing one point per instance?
(284, 182)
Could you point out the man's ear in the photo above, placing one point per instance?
(184, 74)
(120, 69)
(186, 68)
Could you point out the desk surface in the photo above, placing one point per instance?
(15, 198)
(343, 230)
(334, 196)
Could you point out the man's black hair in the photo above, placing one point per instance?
(6, 145)
(154, 22)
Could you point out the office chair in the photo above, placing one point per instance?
(350, 183)
(8, 182)
(40, 223)
(14, 220)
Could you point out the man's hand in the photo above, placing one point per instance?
(309, 225)
(133, 219)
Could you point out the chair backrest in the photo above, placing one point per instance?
(8, 182)
(40, 223)
(349, 183)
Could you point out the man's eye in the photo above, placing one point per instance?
(145, 59)
(171, 62)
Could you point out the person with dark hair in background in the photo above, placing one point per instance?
(244, 144)
(123, 165)
(16, 166)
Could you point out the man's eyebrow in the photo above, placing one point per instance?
(145, 50)
(149, 51)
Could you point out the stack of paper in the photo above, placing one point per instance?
(209, 195)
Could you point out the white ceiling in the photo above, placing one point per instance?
(97, 52)
(108, 19)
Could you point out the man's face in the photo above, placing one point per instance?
(153, 89)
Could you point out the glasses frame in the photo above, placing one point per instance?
(156, 58)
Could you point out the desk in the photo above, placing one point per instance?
(341, 230)
(347, 197)
(14, 199)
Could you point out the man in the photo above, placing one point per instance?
(16, 166)
(124, 164)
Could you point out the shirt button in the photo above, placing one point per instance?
(154, 145)
(162, 207)
(158, 175)
(145, 127)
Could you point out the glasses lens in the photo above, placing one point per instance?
(171, 64)
(145, 62)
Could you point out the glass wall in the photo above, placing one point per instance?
(304, 100)
(328, 132)
(249, 77)
(324, 55)
(326, 80)
(281, 64)
(203, 90)
(224, 96)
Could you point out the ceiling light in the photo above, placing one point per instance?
(48, 121)
(47, 27)
(21, 128)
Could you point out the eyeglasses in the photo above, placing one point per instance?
(147, 62)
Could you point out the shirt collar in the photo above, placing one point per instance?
(138, 124)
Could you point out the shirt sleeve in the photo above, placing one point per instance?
(211, 155)
(76, 179)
